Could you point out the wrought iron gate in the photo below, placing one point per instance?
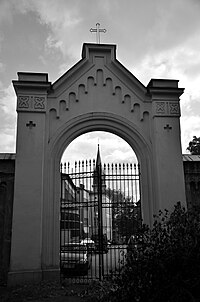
(100, 210)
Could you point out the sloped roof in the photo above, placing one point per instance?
(7, 156)
(190, 157)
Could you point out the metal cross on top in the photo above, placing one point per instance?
(97, 30)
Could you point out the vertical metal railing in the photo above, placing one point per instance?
(106, 200)
(100, 221)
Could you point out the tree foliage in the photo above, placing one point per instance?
(194, 146)
(126, 215)
(167, 266)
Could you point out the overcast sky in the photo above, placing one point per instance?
(154, 38)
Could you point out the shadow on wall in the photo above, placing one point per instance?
(7, 168)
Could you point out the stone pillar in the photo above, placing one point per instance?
(166, 143)
(26, 248)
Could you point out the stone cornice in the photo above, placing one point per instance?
(31, 90)
(30, 85)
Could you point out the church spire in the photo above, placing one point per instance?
(98, 160)
(98, 171)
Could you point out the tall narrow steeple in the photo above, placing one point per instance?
(98, 172)
(98, 160)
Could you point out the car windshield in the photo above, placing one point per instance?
(75, 248)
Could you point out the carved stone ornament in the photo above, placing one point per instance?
(160, 107)
(23, 102)
(166, 108)
(39, 102)
(174, 108)
(31, 103)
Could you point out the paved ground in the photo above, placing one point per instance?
(44, 292)
(62, 299)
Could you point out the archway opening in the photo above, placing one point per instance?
(113, 148)
(100, 205)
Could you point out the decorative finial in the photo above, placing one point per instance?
(97, 30)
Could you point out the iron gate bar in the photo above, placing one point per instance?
(100, 221)
(115, 193)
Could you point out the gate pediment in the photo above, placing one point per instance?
(98, 83)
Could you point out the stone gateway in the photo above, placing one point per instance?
(98, 93)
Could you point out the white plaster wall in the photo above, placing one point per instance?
(168, 163)
(28, 195)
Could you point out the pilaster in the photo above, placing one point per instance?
(31, 90)
(166, 142)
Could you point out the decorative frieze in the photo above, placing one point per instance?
(35, 103)
(111, 89)
(174, 108)
(160, 107)
(39, 102)
(165, 108)
(23, 102)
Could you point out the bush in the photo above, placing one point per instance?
(167, 266)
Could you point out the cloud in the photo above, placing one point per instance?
(176, 22)
(8, 119)
(189, 128)
(6, 12)
(2, 67)
(122, 155)
(8, 102)
(7, 142)
(112, 148)
(183, 64)
(146, 27)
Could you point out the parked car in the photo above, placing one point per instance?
(101, 246)
(109, 243)
(75, 240)
(89, 243)
(74, 259)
